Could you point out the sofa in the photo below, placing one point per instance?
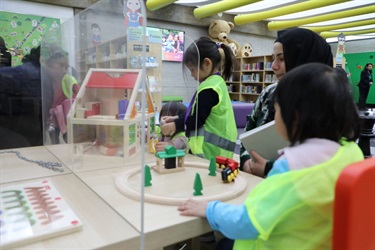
(241, 111)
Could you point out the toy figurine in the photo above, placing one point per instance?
(340, 59)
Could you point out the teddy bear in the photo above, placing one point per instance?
(219, 30)
(245, 50)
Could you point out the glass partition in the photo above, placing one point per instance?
(101, 83)
(101, 92)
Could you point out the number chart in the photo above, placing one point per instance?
(34, 211)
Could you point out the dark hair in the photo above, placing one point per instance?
(203, 48)
(33, 56)
(316, 102)
(56, 55)
(367, 64)
(2, 42)
(172, 109)
(95, 25)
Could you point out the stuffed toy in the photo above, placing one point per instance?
(245, 50)
(233, 47)
(219, 30)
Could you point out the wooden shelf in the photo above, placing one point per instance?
(250, 77)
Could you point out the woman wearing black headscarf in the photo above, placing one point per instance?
(291, 49)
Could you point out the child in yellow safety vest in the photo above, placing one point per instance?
(292, 208)
(209, 122)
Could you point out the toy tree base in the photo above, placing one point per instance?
(177, 187)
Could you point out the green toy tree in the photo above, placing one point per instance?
(148, 176)
(197, 185)
(212, 167)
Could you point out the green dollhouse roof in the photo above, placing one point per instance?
(170, 152)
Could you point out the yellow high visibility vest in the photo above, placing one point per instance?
(294, 210)
(218, 135)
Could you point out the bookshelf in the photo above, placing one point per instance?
(119, 53)
(250, 76)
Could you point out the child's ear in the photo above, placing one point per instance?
(207, 62)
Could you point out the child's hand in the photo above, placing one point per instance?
(168, 129)
(193, 208)
(160, 146)
(167, 119)
(255, 165)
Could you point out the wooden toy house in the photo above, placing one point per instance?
(170, 160)
(106, 117)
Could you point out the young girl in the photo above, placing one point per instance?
(178, 139)
(209, 122)
(293, 206)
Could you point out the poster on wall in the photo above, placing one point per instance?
(173, 45)
(23, 32)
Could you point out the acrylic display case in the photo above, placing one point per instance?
(113, 63)
(101, 113)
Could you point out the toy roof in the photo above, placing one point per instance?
(170, 152)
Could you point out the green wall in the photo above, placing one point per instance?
(355, 63)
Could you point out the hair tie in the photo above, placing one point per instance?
(218, 44)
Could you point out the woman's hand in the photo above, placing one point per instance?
(255, 165)
(193, 208)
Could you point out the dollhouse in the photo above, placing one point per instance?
(106, 118)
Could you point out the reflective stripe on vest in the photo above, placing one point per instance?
(219, 141)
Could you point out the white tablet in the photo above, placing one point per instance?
(264, 140)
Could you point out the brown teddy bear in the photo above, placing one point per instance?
(245, 50)
(219, 30)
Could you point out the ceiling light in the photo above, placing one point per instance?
(357, 28)
(260, 6)
(326, 10)
(193, 2)
(351, 38)
(345, 20)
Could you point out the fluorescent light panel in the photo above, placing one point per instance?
(372, 26)
(194, 2)
(344, 20)
(324, 10)
(352, 38)
(260, 6)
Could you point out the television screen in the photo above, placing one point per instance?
(172, 45)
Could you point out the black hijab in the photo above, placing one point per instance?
(304, 46)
